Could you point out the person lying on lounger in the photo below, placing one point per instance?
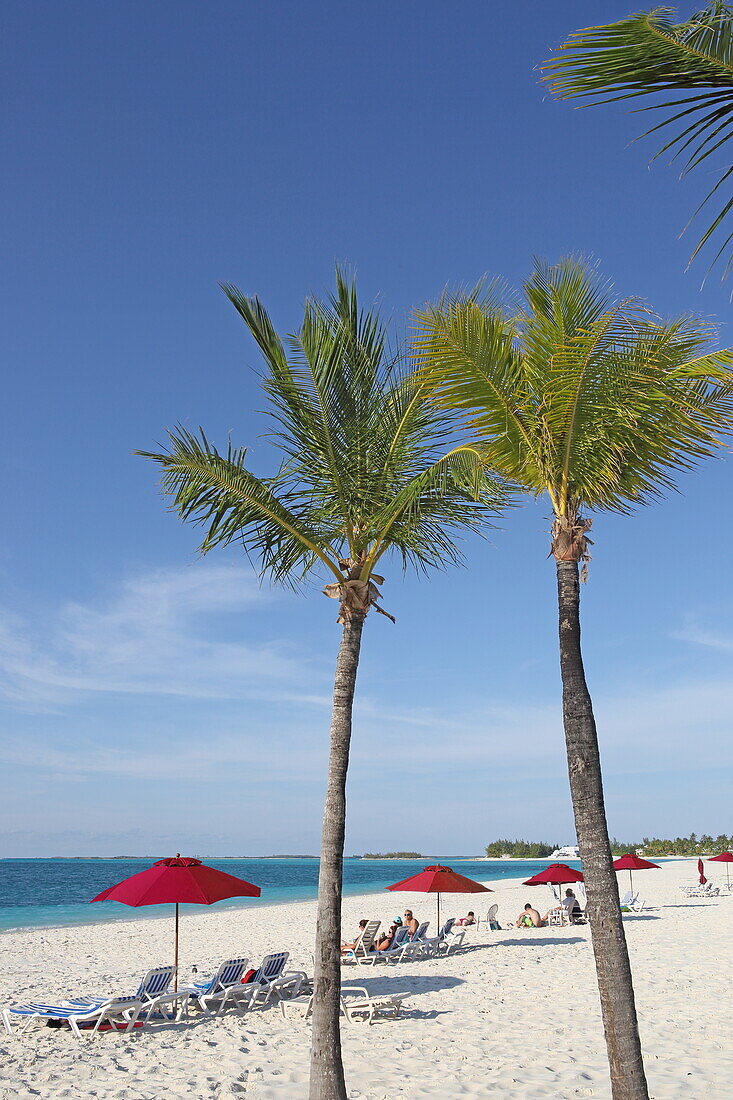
(470, 918)
(351, 946)
(529, 918)
(384, 942)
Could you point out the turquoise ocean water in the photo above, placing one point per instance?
(47, 892)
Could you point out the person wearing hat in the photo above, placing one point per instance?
(384, 942)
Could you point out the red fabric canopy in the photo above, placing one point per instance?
(554, 875)
(724, 857)
(178, 879)
(440, 880)
(632, 863)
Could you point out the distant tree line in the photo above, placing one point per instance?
(392, 855)
(691, 845)
(520, 849)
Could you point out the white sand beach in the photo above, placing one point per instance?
(515, 1015)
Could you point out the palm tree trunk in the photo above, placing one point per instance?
(327, 1071)
(604, 913)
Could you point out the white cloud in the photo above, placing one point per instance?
(150, 637)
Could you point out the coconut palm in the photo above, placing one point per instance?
(592, 402)
(649, 55)
(367, 475)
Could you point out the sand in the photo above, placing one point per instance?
(515, 1015)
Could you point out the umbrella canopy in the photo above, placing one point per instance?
(440, 880)
(178, 879)
(701, 869)
(175, 880)
(631, 863)
(724, 857)
(555, 875)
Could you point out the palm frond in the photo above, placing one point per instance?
(218, 493)
(649, 54)
(368, 464)
(582, 395)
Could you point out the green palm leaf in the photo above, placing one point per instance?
(650, 54)
(581, 395)
(369, 466)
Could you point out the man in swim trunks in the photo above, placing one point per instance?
(529, 918)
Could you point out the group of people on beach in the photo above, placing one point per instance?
(384, 941)
(530, 917)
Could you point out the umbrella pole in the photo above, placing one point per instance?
(175, 973)
(438, 931)
(631, 881)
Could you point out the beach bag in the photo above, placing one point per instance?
(248, 976)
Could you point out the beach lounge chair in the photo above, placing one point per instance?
(397, 941)
(490, 921)
(356, 1001)
(434, 943)
(226, 985)
(118, 1013)
(155, 994)
(451, 941)
(413, 947)
(100, 1013)
(272, 979)
(363, 949)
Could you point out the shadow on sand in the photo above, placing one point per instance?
(541, 941)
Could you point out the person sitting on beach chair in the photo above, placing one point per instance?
(411, 922)
(529, 918)
(569, 909)
(384, 942)
(351, 946)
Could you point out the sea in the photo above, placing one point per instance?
(43, 893)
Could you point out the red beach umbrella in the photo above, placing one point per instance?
(701, 869)
(178, 879)
(724, 857)
(440, 880)
(556, 874)
(631, 863)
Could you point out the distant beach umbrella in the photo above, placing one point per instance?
(724, 857)
(631, 863)
(556, 874)
(440, 880)
(175, 880)
(701, 869)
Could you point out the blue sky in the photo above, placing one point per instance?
(154, 702)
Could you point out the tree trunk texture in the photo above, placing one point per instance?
(604, 913)
(327, 1071)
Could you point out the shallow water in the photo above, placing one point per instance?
(46, 892)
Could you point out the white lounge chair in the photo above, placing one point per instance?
(489, 921)
(225, 986)
(357, 1001)
(397, 942)
(413, 947)
(151, 998)
(363, 949)
(272, 979)
(446, 940)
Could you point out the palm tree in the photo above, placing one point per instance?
(649, 54)
(592, 402)
(367, 473)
